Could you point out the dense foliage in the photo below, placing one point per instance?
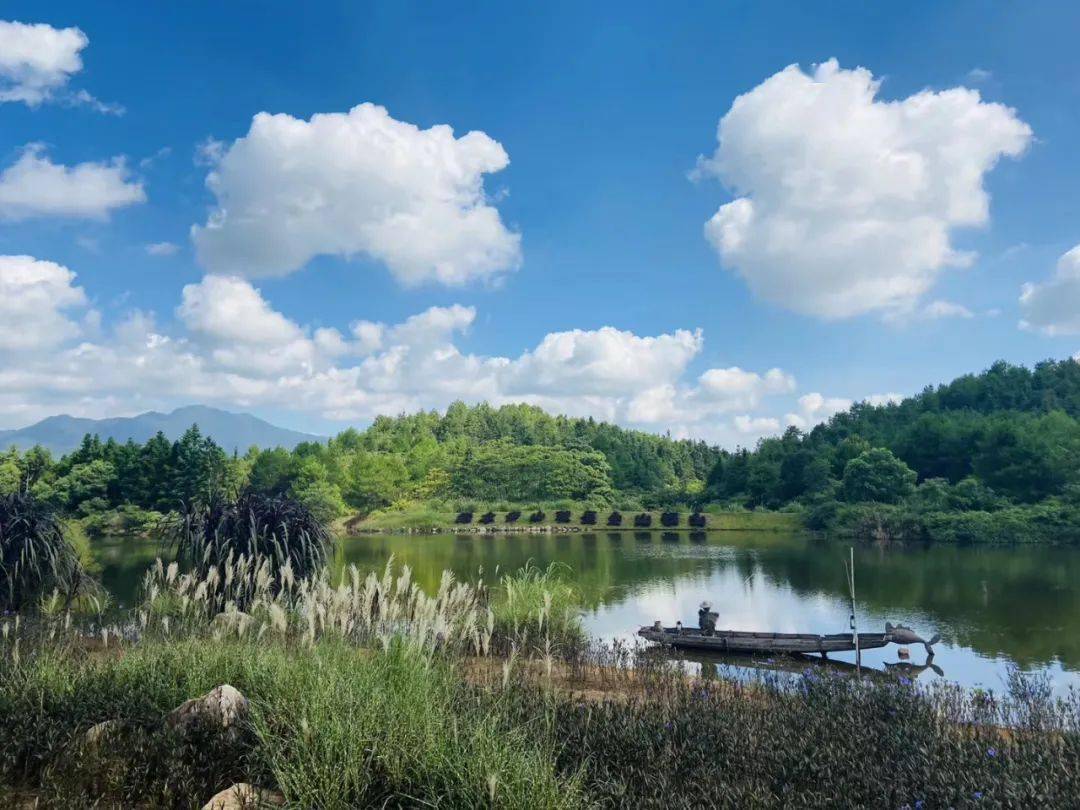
(988, 456)
(36, 556)
(272, 528)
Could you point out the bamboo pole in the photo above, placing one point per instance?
(854, 623)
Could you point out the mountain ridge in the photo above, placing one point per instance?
(62, 433)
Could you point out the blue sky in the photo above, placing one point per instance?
(602, 111)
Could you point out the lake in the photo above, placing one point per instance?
(994, 607)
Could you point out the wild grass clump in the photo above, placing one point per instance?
(537, 608)
(278, 530)
(334, 724)
(820, 740)
(363, 610)
(330, 726)
(36, 556)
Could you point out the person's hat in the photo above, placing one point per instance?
(706, 605)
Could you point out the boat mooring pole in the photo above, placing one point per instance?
(854, 623)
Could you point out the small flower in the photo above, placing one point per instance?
(905, 681)
(920, 804)
(991, 752)
(977, 795)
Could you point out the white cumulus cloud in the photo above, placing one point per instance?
(34, 186)
(37, 61)
(845, 203)
(35, 297)
(229, 345)
(1053, 307)
(356, 183)
(815, 408)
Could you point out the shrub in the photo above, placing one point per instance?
(614, 519)
(36, 556)
(464, 517)
(643, 520)
(588, 517)
(669, 519)
(562, 516)
(487, 517)
(697, 520)
(277, 528)
(513, 516)
(537, 517)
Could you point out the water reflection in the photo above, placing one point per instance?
(713, 665)
(992, 606)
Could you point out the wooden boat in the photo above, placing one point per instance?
(739, 641)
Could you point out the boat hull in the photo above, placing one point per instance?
(735, 641)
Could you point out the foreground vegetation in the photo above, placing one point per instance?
(346, 712)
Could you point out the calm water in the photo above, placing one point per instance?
(994, 607)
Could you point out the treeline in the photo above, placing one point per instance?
(994, 455)
(988, 456)
(512, 454)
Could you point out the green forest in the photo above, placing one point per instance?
(990, 457)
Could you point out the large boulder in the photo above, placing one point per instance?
(223, 707)
(243, 796)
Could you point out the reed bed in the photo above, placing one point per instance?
(370, 692)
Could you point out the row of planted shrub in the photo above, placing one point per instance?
(588, 518)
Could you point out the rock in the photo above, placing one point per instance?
(222, 707)
(100, 733)
(243, 796)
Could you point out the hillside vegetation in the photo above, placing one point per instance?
(987, 457)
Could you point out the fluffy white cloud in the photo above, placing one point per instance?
(846, 204)
(602, 362)
(34, 298)
(34, 186)
(815, 408)
(353, 183)
(37, 60)
(1053, 307)
(228, 345)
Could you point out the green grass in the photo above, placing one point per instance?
(332, 726)
(336, 726)
(540, 606)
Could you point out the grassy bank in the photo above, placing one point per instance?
(423, 516)
(335, 726)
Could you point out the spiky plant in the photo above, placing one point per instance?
(278, 529)
(35, 555)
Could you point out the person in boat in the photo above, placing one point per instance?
(707, 619)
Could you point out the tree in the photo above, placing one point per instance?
(272, 472)
(877, 475)
(375, 480)
(11, 476)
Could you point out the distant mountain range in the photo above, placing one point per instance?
(62, 434)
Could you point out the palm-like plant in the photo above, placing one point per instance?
(35, 555)
(277, 528)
